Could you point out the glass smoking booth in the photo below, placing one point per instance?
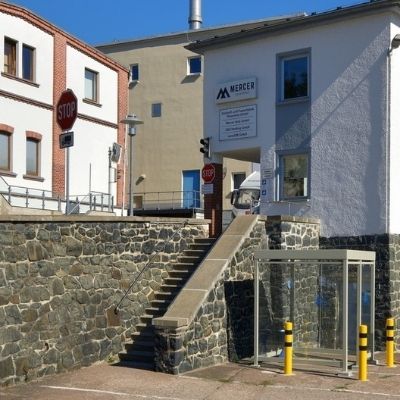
(327, 294)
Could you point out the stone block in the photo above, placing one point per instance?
(6, 368)
(35, 251)
(73, 246)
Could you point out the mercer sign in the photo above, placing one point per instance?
(236, 90)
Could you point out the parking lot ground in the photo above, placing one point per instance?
(222, 382)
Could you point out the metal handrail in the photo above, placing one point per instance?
(171, 199)
(149, 262)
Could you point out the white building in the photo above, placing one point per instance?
(314, 100)
(38, 61)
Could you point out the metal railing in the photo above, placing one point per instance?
(147, 265)
(168, 200)
(20, 196)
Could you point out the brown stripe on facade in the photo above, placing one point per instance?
(26, 100)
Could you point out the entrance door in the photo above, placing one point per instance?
(191, 189)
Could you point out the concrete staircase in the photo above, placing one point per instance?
(140, 352)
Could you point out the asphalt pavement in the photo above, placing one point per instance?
(223, 382)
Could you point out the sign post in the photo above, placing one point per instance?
(67, 111)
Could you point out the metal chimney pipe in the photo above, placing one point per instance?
(195, 19)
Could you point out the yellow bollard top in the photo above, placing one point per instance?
(288, 326)
(390, 322)
(363, 329)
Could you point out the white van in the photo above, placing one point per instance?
(246, 199)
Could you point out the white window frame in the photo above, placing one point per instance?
(130, 73)
(281, 177)
(95, 83)
(288, 57)
(189, 72)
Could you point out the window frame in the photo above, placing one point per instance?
(95, 86)
(32, 71)
(281, 177)
(131, 78)
(281, 58)
(189, 70)
(8, 135)
(35, 173)
(233, 179)
(15, 55)
(153, 113)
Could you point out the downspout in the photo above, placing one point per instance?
(387, 140)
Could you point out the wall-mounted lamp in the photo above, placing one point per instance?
(395, 42)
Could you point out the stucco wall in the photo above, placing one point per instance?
(348, 117)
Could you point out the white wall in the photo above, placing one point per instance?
(395, 133)
(25, 33)
(23, 117)
(107, 85)
(348, 87)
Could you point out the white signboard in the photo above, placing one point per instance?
(207, 188)
(236, 90)
(238, 123)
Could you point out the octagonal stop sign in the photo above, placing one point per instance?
(208, 173)
(67, 110)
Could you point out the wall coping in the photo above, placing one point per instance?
(98, 218)
(293, 218)
(184, 308)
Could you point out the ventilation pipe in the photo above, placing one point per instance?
(195, 19)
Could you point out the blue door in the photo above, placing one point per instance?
(191, 189)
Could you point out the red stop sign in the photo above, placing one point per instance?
(67, 110)
(208, 173)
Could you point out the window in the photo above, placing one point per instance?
(28, 54)
(32, 157)
(10, 56)
(156, 110)
(294, 77)
(194, 65)
(5, 151)
(237, 179)
(294, 176)
(91, 85)
(134, 72)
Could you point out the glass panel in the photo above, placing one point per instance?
(135, 72)
(10, 64)
(366, 300)
(352, 310)
(156, 110)
(295, 170)
(90, 85)
(32, 157)
(4, 152)
(195, 65)
(238, 178)
(27, 63)
(295, 75)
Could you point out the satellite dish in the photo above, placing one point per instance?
(115, 152)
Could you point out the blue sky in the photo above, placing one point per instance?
(102, 21)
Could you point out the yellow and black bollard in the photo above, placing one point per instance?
(390, 342)
(288, 361)
(362, 353)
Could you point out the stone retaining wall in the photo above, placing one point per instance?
(60, 280)
(387, 277)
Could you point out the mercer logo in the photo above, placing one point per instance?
(223, 93)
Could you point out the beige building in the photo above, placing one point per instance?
(166, 92)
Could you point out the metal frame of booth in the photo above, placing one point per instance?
(340, 257)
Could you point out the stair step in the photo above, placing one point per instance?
(149, 366)
(142, 327)
(169, 296)
(193, 253)
(155, 311)
(189, 260)
(137, 355)
(174, 281)
(140, 345)
(180, 273)
(159, 303)
(147, 318)
(208, 241)
(145, 335)
(184, 266)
